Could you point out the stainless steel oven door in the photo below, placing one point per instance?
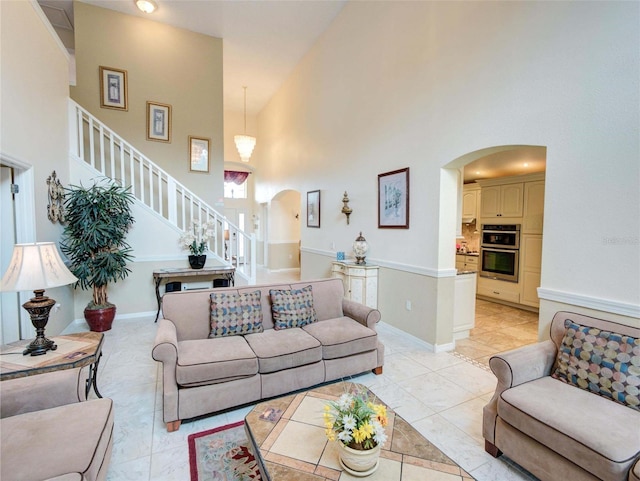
(500, 264)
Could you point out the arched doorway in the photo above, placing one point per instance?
(518, 168)
(283, 231)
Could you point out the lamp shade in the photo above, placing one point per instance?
(35, 266)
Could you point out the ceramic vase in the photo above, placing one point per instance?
(100, 320)
(357, 462)
(197, 262)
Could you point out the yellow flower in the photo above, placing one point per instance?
(330, 434)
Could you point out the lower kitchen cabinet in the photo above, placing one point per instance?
(503, 290)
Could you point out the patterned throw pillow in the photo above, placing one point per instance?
(292, 307)
(235, 314)
(603, 362)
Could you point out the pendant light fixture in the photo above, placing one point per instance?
(245, 143)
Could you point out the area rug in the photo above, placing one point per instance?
(222, 454)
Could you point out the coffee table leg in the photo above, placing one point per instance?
(92, 381)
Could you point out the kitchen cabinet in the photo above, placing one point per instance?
(360, 282)
(530, 268)
(499, 201)
(464, 306)
(466, 262)
(470, 201)
(533, 207)
(496, 289)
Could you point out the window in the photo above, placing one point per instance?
(235, 184)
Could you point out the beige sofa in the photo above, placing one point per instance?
(202, 375)
(554, 429)
(50, 432)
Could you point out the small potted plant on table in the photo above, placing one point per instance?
(358, 424)
(196, 240)
(98, 219)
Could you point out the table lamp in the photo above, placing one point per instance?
(36, 267)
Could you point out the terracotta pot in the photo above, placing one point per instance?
(197, 262)
(100, 320)
(357, 462)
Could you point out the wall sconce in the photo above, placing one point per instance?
(346, 210)
(55, 208)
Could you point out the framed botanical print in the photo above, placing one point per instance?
(393, 199)
(313, 208)
(198, 154)
(113, 88)
(158, 122)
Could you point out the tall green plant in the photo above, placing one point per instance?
(98, 220)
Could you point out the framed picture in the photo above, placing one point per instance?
(198, 154)
(113, 88)
(393, 199)
(313, 208)
(158, 122)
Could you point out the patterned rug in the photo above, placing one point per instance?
(222, 454)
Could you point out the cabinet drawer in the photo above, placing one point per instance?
(473, 260)
(499, 294)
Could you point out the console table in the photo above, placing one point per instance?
(226, 272)
(74, 350)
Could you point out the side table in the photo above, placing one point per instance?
(74, 350)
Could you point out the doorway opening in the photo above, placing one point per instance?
(505, 312)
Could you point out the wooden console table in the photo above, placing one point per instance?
(226, 272)
(74, 350)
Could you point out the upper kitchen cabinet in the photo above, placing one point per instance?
(470, 203)
(499, 201)
(532, 221)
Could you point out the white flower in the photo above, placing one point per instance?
(345, 401)
(379, 436)
(349, 422)
(345, 436)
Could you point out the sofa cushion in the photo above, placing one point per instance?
(73, 438)
(292, 307)
(601, 436)
(603, 362)
(342, 337)
(208, 361)
(235, 313)
(284, 349)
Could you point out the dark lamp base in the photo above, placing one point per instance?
(38, 308)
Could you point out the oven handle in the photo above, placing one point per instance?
(492, 249)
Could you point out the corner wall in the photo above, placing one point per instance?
(164, 64)
(419, 84)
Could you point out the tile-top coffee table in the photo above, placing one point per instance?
(287, 437)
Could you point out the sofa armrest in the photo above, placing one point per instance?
(165, 350)
(365, 315)
(513, 368)
(42, 391)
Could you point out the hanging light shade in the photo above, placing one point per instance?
(245, 143)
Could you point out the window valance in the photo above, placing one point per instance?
(235, 176)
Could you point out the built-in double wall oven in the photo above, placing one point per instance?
(500, 251)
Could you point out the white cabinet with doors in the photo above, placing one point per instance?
(499, 201)
(532, 220)
(530, 268)
(360, 281)
(470, 201)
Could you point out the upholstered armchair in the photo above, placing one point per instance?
(49, 431)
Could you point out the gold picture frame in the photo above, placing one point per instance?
(199, 154)
(158, 122)
(113, 88)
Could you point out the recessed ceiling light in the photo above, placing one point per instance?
(146, 6)
(526, 164)
(477, 172)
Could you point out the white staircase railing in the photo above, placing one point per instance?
(112, 156)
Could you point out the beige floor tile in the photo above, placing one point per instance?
(288, 444)
(418, 473)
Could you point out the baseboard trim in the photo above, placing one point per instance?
(450, 346)
(122, 317)
(599, 304)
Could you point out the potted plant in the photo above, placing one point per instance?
(358, 424)
(196, 240)
(98, 219)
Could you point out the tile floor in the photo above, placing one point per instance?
(441, 395)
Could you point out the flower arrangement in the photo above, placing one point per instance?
(196, 238)
(356, 421)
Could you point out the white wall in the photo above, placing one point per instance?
(33, 132)
(419, 84)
